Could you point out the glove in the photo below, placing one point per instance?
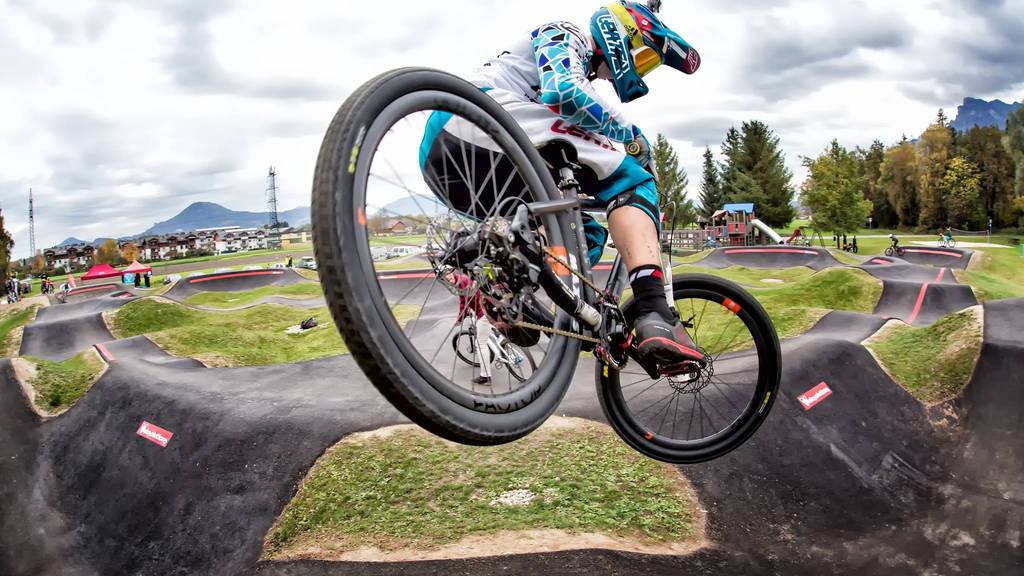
(639, 148)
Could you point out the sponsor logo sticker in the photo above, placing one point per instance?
(154, 434)
(814, 396)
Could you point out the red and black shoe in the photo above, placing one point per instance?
(666, 345)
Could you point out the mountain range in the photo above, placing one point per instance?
(975, 112)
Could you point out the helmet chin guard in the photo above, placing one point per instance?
(628, 34)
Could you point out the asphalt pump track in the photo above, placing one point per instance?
(868, 481)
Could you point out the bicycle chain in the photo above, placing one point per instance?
(558, 331)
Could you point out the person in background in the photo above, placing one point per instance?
(289, 264)
(149, 278)
(138, 280)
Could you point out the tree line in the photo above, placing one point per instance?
(943, 178)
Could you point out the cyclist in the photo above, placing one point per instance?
(895, 241)
(947, 236)
(544, 81)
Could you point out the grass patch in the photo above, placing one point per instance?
(793, 308)
(307, 273)
(251, 337)
(413, 490)
(298, 291)
(933, 362)
(58, 385)
(11, 320)
(999, 274)
(846, 257)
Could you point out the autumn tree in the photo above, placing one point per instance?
(130, 252)
(107, 253)
(672, 183)
(711, 196)
(960, 193)
(38, 263)
(898, 180)
(834, 190)
(936, 147)
(6, 243)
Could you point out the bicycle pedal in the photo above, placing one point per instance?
(685, 368)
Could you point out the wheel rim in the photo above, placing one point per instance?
(423, 338)
(688, 415)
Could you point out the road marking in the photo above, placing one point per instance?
(939, 252)
(917, 307)
(223, 275)
(762, 250)
(942, 272)
(105, 353)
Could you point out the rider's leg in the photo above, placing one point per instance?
(633, 218)
(483, 353)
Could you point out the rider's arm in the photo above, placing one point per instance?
(559, 53)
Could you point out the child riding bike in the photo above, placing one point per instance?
(946, 238)
(544, 82)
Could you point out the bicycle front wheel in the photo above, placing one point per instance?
(698, 417)
(415, 162)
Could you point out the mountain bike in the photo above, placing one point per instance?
(512, 218)
(897, 250)
(499, 351)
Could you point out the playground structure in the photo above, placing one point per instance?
(734, 225)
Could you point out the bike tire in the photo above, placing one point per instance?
(951, 244)
(889, 251)
(458, 351)
(354, 296)
(769, 358)
(529, 358)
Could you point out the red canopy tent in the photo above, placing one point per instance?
(136, 268)
(99, 272)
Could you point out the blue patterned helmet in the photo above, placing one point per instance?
(633, 41)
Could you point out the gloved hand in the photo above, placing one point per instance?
(639, 148)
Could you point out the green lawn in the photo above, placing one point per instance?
(1000, 274)
(413, 490)
(794, 308)
(58, 385)
(934, 362)
(252, 337)
(301, 291)
(10, 320)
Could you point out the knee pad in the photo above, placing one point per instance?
(644, 197)
(596, 235)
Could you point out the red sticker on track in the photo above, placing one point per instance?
(812, 397)
(154, 434)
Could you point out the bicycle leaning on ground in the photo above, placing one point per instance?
(528, 260)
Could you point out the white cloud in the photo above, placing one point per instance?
(119, 114)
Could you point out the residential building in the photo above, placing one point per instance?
(290, 237)
(76, 255)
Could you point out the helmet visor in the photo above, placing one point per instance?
(646, 59)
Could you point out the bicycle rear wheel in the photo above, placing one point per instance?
(376, 196)
(690, 419)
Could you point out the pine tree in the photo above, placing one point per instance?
(941, 119)
(672, 184)
(834, 190)
(761, 159)
(732, 158)
(711, 197)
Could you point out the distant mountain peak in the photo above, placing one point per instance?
(977, 112)
(199, 215)
(72, 241)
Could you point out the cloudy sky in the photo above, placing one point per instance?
(120, 114)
